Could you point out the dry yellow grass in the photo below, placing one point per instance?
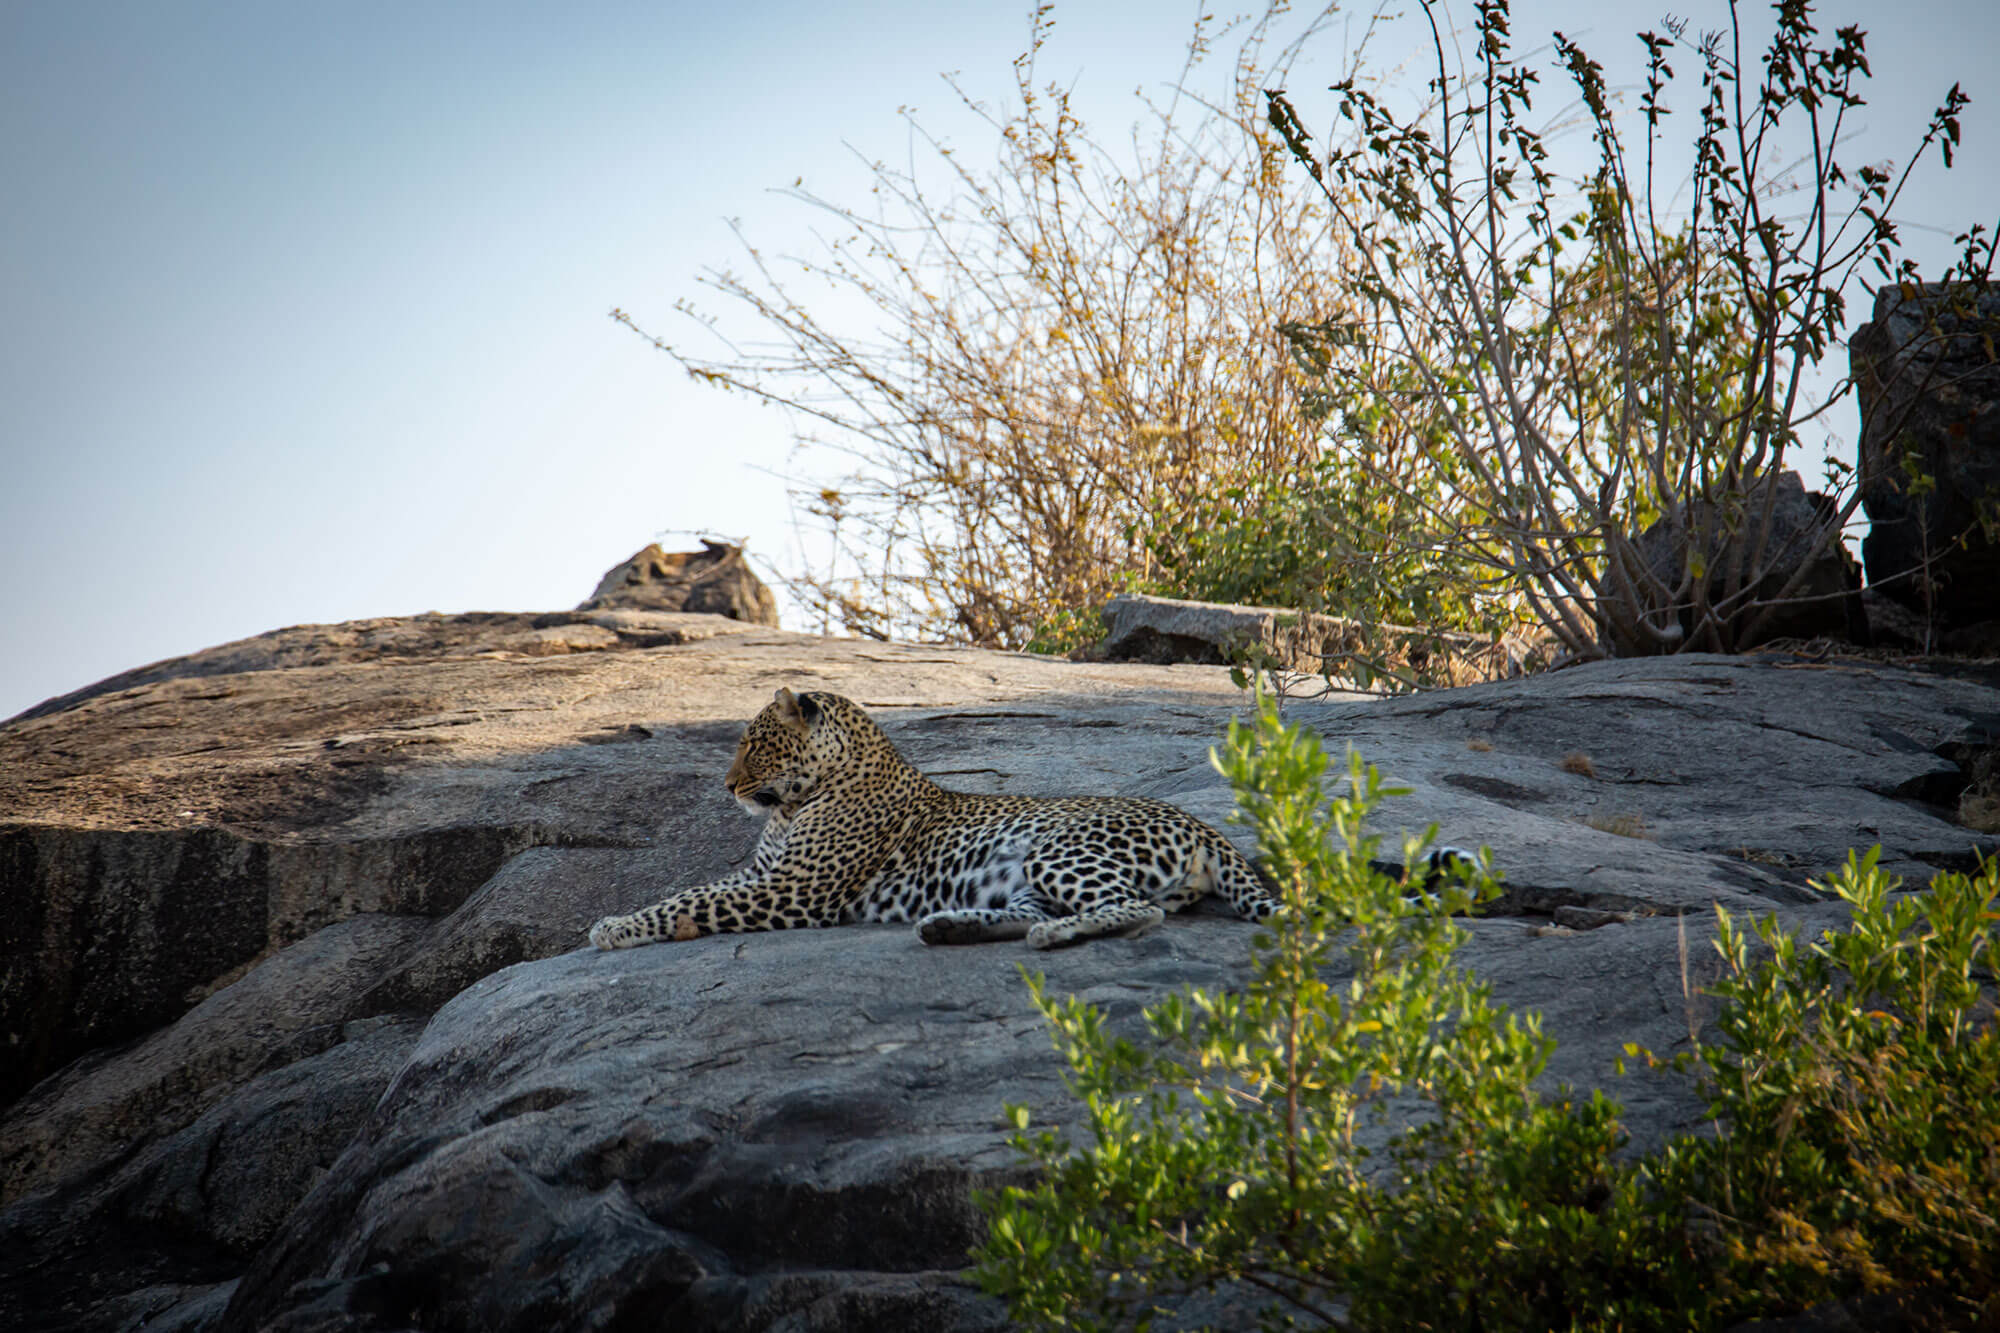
(1980, 811)
(1577, 762)
(1625, 826)
(1759, 856)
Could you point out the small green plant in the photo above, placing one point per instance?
(1245, 1142)
(1064, 630)
(1858, 1080)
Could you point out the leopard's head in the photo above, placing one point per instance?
(775, 766)
(800, 744)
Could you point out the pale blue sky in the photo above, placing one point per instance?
(306, 303)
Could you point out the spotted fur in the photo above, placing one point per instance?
(856, 834)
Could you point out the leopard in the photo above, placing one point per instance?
(854, 833)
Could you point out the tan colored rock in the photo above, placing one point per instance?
(715, 580)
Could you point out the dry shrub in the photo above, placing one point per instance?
(1980, 811)
(1090, 368)
(1623, 826)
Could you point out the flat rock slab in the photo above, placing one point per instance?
(350, 730)
(1665, 784)
(291, 951)
(163, 836)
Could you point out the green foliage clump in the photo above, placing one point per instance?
(1331, 540)
(1356, 1138)
(1334, 540)
(1858, 1078)
(1064, 630)
(1243, 1144)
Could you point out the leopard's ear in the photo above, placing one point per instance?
(796, 711)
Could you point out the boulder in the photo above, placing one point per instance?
(1928, 382)
(289, 1008)
(118, 932)
(620, 1110)
(1803, 542)
(715, 580)
(403, 1096)
(157, 1237)
(160, 839)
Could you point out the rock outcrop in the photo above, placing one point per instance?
(140, 872)
(715, 580)
(325, 1053)
(406, 639)
(1929, 386)
(1798, 548)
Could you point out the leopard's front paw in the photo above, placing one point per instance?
(644, 927)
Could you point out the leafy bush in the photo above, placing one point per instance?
(1430, 384)
(1329, 539)
(1243, 1143)
(1054, 344)
(1063, 630)
(1584, 355)
(1246, 1142)
(1858, 1079)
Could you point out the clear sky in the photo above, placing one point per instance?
(305, 304)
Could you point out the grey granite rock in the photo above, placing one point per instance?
(1795, 551)
(155, 1235)
(288, 1008)
(1928, 385)
(816, 1107)
(159, 838)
